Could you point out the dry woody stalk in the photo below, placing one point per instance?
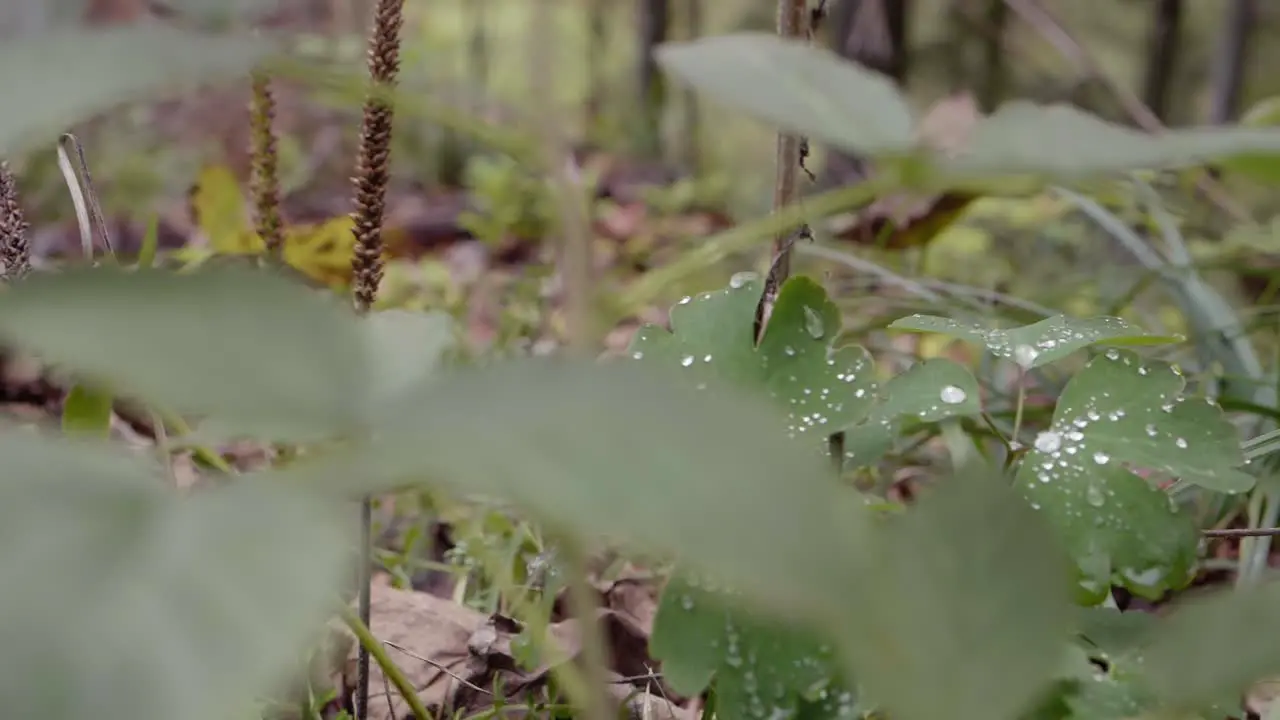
(265, 179)
(15, 249)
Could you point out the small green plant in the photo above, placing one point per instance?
(511, 202)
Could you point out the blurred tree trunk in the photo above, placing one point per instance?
(655, 18)
(691, 123)
(872, 33)
(1162, 54)
(597, 46)
(992, 81)
(1227, 77)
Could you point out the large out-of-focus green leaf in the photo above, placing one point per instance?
(627, 451)
(403, 348)
(964, 610)
(250, 349)
(1215, 646)
(798, 88)
(124, 600)
(50, 81)
(807, 90)
(1012, 141)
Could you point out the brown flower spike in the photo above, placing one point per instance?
(15, 250)
(371, 178)
(373, 165)
(265, 180)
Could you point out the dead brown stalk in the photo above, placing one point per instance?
(796, 21)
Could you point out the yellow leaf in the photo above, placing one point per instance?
(322, 251)
(219, 209)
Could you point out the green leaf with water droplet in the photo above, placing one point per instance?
(932, 391)
(762, 667)
(823, 389)
(1119, 415)
(963, 608)
(1116, 693)
(1039, 343)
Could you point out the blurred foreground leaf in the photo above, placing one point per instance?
(51, 81)
(246, 347)
(124, 600)
(628, 452)
(1215, 646)
(964, 609)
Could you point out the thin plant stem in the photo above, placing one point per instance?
(557, 162)
(582, 602)
(1017, 414)
(793, 22)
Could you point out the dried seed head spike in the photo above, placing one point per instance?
(265, 177)
(371, 179)
(15, 250)
(373, 164)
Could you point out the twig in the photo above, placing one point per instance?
(795, 20)
(437, 665)
(1242, 532)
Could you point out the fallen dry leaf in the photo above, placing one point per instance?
(456, 657)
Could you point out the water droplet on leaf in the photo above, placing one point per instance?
(952, 395)
(813, 323)
(1094, 496)
(1048, 441)
(1025, 355)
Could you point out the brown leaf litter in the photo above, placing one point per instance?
(462, 660)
